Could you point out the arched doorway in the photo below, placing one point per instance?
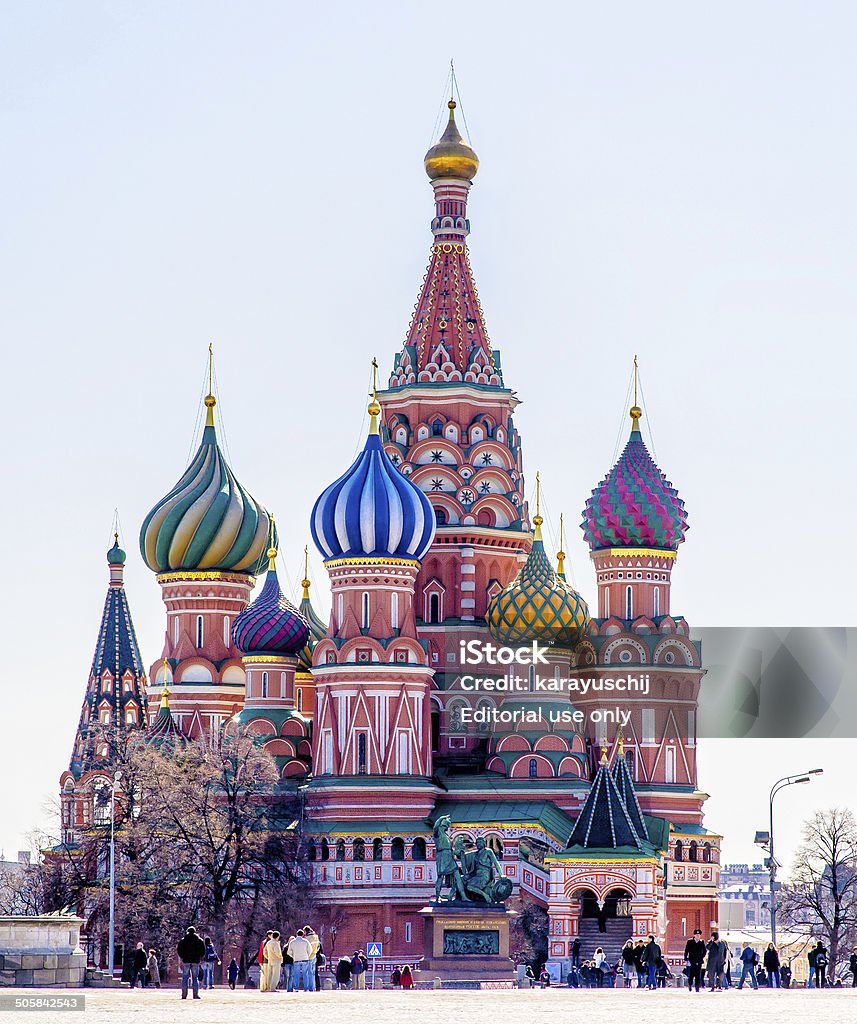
(603, 921)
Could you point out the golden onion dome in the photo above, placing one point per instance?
(538, 605)
(450, 156)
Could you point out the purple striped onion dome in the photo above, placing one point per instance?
(271, 624)
(634, 506)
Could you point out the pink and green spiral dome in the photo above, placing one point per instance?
(271, 624)
(634, 506)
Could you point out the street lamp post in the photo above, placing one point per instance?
(780, 784)
(111, 937)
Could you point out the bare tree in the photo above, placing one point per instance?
(821, 897)
(204, 835)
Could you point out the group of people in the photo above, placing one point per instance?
(292, 964)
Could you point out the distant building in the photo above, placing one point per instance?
(744, 896)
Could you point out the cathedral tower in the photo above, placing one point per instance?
(448, 426)
(115, 706)
(371, 749)
(206, 540)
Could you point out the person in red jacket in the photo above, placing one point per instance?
(261, 957)
(407, 977)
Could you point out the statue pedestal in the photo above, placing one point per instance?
(467, 942)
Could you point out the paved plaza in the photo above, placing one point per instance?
(552, 1006)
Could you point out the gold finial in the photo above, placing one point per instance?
(374, 407)
(604, 755)
(210, 400)
(272, 550)
(636, 411)
(165, 692)
(537, 518)
(560, 555)
(305, 581)
(116, 538)
(620, 749)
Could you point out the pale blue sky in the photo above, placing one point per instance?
(671, 179)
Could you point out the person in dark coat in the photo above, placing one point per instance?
(810, 956)
(694, 955)
(191, 951)
(852, 966)
(396, 977)
(232, 973)
(629, 962)
(717, 953)
(141, 965)
(343, 972)
(128, 966)
(575, 952)
(639, 947)
(651, 954)
(771, 961)
(820, 964)
(786, 976)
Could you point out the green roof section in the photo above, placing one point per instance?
(542, 814)
(369, 827)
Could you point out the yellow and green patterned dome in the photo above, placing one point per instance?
(538, 605)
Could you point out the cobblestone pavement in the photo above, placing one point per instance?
(552, 1006)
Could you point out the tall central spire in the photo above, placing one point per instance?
(447, 338)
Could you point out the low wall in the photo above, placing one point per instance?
(41, 952)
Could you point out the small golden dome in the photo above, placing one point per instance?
(450, 156)
(636, 412)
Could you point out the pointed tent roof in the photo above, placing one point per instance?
(604, 821)
(625, 786)
(117, 653)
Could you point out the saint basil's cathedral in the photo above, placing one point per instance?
(427, 542)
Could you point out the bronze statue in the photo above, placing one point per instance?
(448, 872)
(473, 876)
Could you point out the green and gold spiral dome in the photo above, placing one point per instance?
(208, 522)
(538, 605)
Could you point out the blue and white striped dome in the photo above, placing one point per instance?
(373, 510)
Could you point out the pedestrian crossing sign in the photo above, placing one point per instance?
(375, 949)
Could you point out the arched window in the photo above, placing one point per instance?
(679, 850)
(175, 629)
(631, 763)
(532, 678)
(495, 845)
(629, 603)
(418, 849)
(365, 610)
(361, 754)
(312, 852)
(440, 516)
(359, 850)
(434, 607)
(339, 610)
(377, 849)
(533, 768)
(199, 632)
(300, 697)
(325, 850)
(437, 429)
(264, 684)
(706, 853)
(435, 730)
(227, 637)
(394, 611)
(340, 849)
(657, 601)
(691, 855)
(606, 592)
(397, 849)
